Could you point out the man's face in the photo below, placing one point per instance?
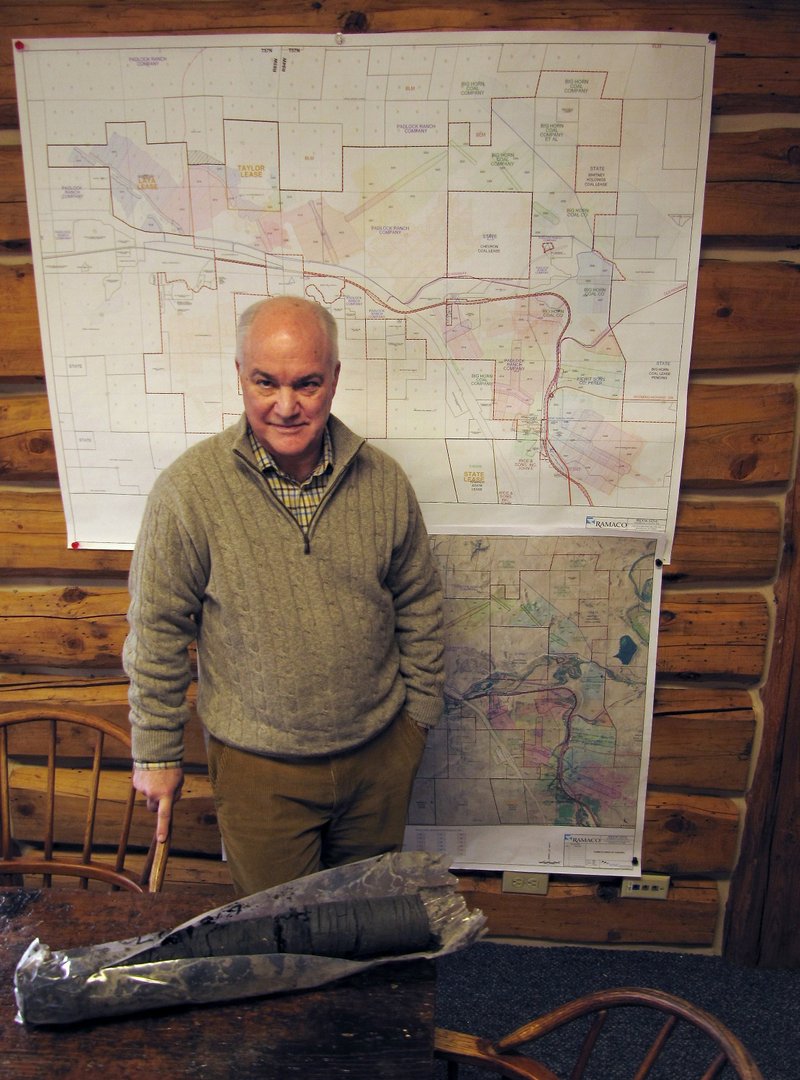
(288, 383)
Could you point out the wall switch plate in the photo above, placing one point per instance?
(646, 887)
(518, 882)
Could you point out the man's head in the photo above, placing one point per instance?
(288, 365)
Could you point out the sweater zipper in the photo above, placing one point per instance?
(306, 534)
(329, 490)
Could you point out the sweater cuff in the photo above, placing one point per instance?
(425, 711)
(154, 766)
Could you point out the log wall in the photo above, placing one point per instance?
(62, 612)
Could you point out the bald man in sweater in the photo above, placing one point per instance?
(294, 554)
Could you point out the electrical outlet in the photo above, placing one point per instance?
(532, 884)
(646, 887)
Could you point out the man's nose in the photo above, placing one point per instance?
(286, 401)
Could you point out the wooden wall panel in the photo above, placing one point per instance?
(697, 835)
(762, 211)
(77, 626)
(715, 635)
(62, 611)
(702, 738)
(33, 539)
(756, 84)
(738, 437)
(21, 353)
(718, 540)
(771, 155)
(593, 913)
(747, 316)
(26, 439)
(690, 835)
(194, 824)
(724, 540)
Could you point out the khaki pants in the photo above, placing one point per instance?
(282, 820)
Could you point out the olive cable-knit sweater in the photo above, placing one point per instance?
(305, 646)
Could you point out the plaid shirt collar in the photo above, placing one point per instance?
(266, 462)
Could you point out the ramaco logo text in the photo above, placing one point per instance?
(606, 523)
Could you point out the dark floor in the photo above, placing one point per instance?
(490, 989)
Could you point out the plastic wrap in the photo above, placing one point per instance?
(55, 986)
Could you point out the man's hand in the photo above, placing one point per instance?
(162, 787)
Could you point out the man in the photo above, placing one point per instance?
(295, 555)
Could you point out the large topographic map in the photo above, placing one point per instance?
(506, 227)
(546, 704)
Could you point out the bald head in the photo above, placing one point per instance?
(277, 310)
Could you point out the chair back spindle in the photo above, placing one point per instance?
(50, 735)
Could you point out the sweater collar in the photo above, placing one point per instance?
(345, 443)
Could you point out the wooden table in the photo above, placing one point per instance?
(379, 1024)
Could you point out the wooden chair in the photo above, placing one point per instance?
(681, 1029)
(73, 745)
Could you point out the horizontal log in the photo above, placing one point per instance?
(713, 635)
(762, 211)
(26, 438)
(753, 84)
(194, 822)
(205, 876)
(15, 226)
(686, 834)
(697, 755)
(33, 540)
(689, 834)
(75, 745)
(747, 315)
(15, 229)
(21, 689)
(593, 913)
(104, 697)
(21, 353)
(12, 176)
(701, 739)
(738, 436)
(73, 627)
(722, 540)
(771, 154)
